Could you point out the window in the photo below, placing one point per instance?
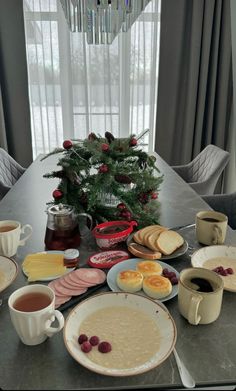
(76, 88)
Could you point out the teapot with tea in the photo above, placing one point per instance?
(62, 230)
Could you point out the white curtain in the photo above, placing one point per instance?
(76, 88)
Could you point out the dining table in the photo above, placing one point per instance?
(208, 351)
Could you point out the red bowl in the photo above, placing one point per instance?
(109, 234)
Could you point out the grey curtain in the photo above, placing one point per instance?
(14, 103)
(195, 78)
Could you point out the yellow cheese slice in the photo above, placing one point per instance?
(43, 257)
(38, 275)
(42, 265)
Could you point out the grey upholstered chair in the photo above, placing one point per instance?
(203, 172)
(10, 172)
(224, 203)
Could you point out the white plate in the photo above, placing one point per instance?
(161, 317)
(131, 264)
(8, 272)
(50, 278)
(220, 255)
(177, 253)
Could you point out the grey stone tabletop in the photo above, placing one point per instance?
(208, 351)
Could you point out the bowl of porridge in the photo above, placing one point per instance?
(119, 333)
(221, 259)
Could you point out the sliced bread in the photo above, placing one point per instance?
(143, 252)
(138, 236)
(168, 241)
(151, 238)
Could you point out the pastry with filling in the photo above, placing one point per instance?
(148, 268)
(129, 280)
(157, 287)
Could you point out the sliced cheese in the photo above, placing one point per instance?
(43, 257)
(39, 274)
(43, 265)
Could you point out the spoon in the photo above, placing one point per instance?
(185, 376)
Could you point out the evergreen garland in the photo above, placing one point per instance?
(97, 168)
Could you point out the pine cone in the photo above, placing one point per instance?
(92, 136)
(109, 137)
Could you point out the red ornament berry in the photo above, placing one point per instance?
(133, 142)
(57, 194)
(154, 196)
(104, 347)
(67, 144)
(126, 214)
(94, 340)
(121, 206)
(82, 338)
(105, 147)
(103, 168)
(86, 346)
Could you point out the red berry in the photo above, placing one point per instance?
(104, 347)
(126, 214)
(94, 340)
(57, 194)
(103, 168)
(67, 144)
(133, 142)
(82, 338)
(223, 273)
(230, 270)
(121, 206)
(165, 272)
(105, 147)
(86, 346)
(171, 275)
(154, 196)
(174, 280)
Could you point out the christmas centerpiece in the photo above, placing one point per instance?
(109, 178)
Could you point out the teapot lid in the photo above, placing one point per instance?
(60, 209)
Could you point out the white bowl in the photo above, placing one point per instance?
(153, 309)
(8, 271)
(220, 255)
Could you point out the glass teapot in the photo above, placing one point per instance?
(62, 231)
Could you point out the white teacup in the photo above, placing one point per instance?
(32, 311)
(195, 303)
(211, 227)
(10, 236)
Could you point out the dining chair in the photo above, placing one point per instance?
(10, 172)
(224, 203)
(203, 172)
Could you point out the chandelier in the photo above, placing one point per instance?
(101, 20)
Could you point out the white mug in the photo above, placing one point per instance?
(32, 311)
(211, 227)
(10, 236)
(195, 304)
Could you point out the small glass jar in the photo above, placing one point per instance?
(71, 257)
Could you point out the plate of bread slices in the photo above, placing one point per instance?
(154, 279)
(156, 242)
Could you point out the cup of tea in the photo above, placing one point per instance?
(11, 238)
(211, 227)
(200, 295)
(32, 311)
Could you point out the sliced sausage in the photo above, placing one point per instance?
(91, 276)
